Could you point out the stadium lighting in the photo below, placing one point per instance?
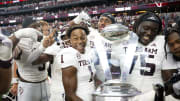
(36, 8)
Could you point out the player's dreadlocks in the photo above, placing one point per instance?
(169, 30)
(148, 16)
(70, 29)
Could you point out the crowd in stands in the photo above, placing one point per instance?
(50, 3)
(120, 18)
(64, 12)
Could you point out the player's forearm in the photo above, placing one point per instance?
(70, 83)
(5, 79)
(43, 58)
(167, 74)
(15, 69)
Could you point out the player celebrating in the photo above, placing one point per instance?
(172, 38)
(56, 87)
(96, 41)
(7, 45)
(78, 71)
(148, 57)
(33, 85)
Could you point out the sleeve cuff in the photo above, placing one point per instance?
(42, 48)
(15, 80)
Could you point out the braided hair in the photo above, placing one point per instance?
(169, 30)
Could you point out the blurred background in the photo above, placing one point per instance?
(59, 12)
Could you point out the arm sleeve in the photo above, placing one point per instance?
(52, 50)
(35, 54)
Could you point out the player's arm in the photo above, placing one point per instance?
(166, 75)
(47, 41)
(83, 16)
(69, 77)
(23, 33)
(43, 58)
(5, 78)
(15, 80)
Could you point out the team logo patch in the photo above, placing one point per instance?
(151, 18)
(78, 55)
(153, 45)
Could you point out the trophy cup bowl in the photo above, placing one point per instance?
(115, 90)
(115, 32)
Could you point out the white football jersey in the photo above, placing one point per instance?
(170, 62)
(85, 70)
(147, 63)
(56, 73)
(103, 48)
(95, 35)
(27, 71)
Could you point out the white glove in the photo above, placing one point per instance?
(28, 33)
(83, 16)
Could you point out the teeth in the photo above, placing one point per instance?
(80, 46)
(146, 38)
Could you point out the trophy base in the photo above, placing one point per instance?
(114, 90)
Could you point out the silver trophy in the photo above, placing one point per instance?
(118, 89)
(115, 90)
(115, 32)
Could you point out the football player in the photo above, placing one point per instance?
(7, 44)
(172, 37)
(33, 85)
(77, 66)
(97, 42)
(56, 87)
(148, 57)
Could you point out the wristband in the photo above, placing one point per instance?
(15, 80)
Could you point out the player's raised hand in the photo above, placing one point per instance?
(49, 40)
(82, 17)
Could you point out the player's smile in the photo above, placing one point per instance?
(78, 40)
(147, 32)
(81, 47)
